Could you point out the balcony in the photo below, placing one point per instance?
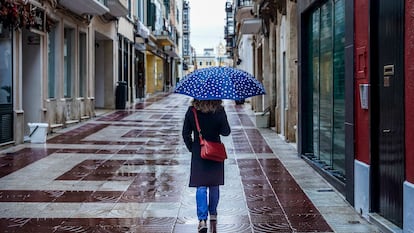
(118, 8)
(243, 3)
(246, 18)
(82, 7)
(171, 51)
(164, 38)
(229, 7)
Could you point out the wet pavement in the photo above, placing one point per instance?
(128, 171)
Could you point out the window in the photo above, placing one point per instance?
(129, 9)
(82, 64)
(51, 52)
(326, 36)
(120, 58)
(130, 62)
(5, 66)
(125, 61)
(177, 14)
(68, 60)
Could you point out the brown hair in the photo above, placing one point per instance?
(207, 105)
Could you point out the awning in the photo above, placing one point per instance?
(80, 7)
(140, 46)
(164, 39)
(142, 30)
(171, 52)
(251, 26)
(118, 8)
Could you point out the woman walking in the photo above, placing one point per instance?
(206, 175)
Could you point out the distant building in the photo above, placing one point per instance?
(213, 57)
(207, 59)
(187, 50)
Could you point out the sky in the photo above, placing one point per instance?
(207, 19)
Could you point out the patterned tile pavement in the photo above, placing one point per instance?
(127, 171)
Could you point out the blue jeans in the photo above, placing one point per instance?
(204, 207)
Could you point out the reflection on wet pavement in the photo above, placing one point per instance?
(127, 171)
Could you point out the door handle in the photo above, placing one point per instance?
(386, 130)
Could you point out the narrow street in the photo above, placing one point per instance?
(128, 170)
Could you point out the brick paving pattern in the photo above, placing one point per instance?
(128, 170)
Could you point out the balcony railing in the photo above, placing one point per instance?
(229, 7)
(164, 38)
(241, 3)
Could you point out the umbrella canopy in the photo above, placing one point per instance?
(213, 83)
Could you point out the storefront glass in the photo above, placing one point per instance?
(6, 85)
(68, 60)
(5, 66)
(326, 58)
(51, 50)
(82, 64)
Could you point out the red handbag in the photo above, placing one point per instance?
(215, 151)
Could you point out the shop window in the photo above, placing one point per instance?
(120, 58)
(51, 68)
(68, 62)
(129, 9)
(5, 66)
(82, 64)
(126, 60)
(326, 36)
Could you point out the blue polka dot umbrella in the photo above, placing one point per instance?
(213, 83)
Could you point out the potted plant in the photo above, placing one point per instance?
(15, 15)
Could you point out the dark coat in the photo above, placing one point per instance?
(205, 172)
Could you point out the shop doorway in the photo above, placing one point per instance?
(31, 78)
(104, 72)
(140, 75)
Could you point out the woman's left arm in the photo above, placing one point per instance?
(187, 131)
(225, 126)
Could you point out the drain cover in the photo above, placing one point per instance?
(325, 190)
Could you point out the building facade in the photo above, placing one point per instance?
(64, 59)
(187, 54)
(265, 45)
(341, 90)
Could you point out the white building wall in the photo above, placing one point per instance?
(362, 188)
(408, 207)
(245, 50)
(32, 81)
(126, 29)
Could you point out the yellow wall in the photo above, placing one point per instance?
(159, 84)
(154, 74)
(150, 72)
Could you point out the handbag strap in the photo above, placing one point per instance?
(196, 121)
